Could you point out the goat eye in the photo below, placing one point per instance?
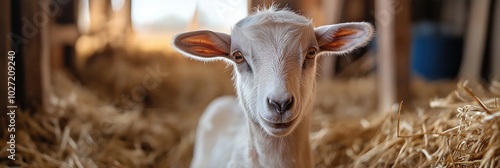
(311, 53)
(238, 57)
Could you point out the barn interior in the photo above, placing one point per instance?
(99, 84)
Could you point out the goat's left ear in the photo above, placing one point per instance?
(343, 38)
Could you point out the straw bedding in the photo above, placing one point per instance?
(83, 129)
(455, 131)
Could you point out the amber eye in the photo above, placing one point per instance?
(311, 53)
(238, 57)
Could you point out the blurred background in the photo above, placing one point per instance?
(106, 69)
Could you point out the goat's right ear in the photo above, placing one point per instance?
(203, 45)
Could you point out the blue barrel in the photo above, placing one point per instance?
(435, 54)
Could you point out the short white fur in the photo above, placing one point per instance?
(267, 124)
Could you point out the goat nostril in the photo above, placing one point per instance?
(287, 105)
(281, 107)
(274, 105)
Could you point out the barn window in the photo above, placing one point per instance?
(153, 23)
(181, 15)
(152, 16)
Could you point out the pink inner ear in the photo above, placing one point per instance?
(203, 50)
(197, 40)
(343, 38)
(335, 45)
(202, 44)
(345, 32)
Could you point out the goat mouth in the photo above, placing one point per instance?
(280, 126)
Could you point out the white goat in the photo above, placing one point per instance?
(274, 55)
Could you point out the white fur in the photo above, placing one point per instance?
(242, 131)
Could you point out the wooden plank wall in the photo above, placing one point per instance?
(30, 53)
(4, 48)
(33, 22)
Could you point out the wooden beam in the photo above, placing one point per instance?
(63, 34)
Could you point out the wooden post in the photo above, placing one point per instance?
(475, 39)
(4, 48)
(403, 42)
(332, 11)
(495, 63)
(393, 59)
(45, 65)
(128, 13)
(99, 15)
(384, 17)
(31, 55)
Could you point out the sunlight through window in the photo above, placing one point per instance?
(162, 16)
